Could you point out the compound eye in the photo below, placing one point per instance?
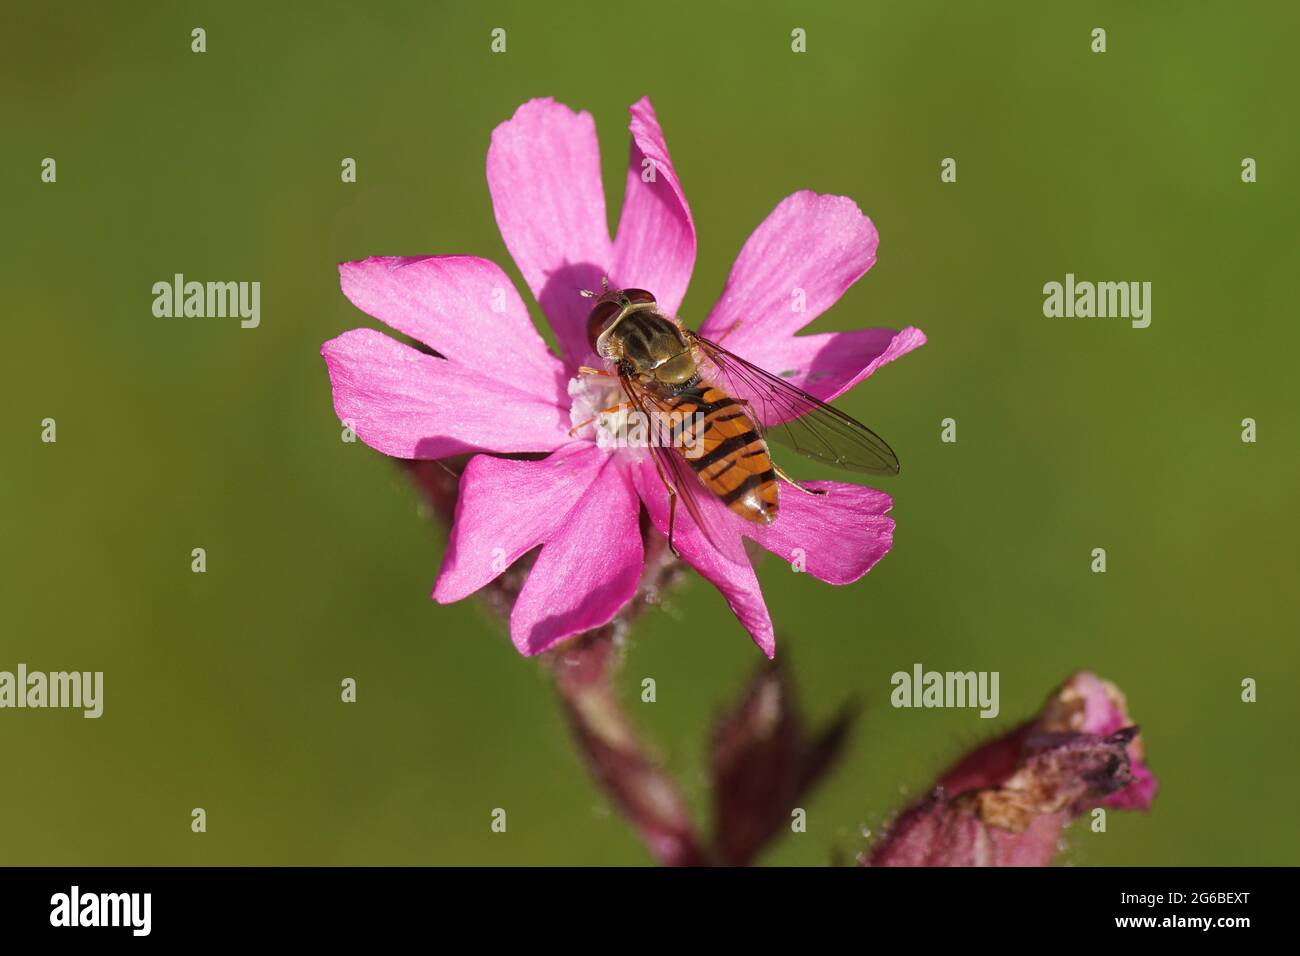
(639, 296)
(598, 321)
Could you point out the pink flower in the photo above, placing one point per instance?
(495, 387)
(1006, 803)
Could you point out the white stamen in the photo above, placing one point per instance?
(591, 395)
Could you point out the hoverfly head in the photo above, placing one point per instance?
(610, 307)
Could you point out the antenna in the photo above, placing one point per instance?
(604, 287)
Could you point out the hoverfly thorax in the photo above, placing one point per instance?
(610, 309)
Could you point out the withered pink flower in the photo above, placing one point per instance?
(1006, 803)
(496, 391)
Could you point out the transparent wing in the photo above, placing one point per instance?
(710, 515)
(795, 419)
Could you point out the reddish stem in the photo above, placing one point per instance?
(638, 786)
(584, 678)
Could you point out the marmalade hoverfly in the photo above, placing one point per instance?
(732, 407)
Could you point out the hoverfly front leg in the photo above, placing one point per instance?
(620, 407)
(604, 287)
(790, 481)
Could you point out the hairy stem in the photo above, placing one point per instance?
(638, 786)
(584, 670)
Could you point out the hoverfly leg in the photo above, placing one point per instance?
(790, 481)
(672, 521)
(588, 370)
(731, 328)
(672, 504)
(620, 407)
(604, 287)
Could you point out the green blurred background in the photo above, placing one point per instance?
(222, 689)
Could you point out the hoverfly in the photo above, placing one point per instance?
(734, 406)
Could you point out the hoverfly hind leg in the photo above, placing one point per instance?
(672, 521)
(672, 505)
(790, 481)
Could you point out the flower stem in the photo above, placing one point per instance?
(584, 669)
(638, 786)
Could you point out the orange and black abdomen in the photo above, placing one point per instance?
(727, 452)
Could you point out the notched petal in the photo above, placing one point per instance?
(655, 244)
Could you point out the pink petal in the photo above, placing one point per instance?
(1093, 705)
(462, 307)
(1140, 793)
(829, 364)
(655, 245)
(410, 405)
(817, 245)
(839, 536)
(505, 508)
(543, 171)
(734, 577)
(588, 569)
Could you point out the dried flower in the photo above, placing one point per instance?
(1006, 803)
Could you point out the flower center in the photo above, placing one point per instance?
(591, 396)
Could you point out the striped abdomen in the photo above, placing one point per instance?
(727, 452)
